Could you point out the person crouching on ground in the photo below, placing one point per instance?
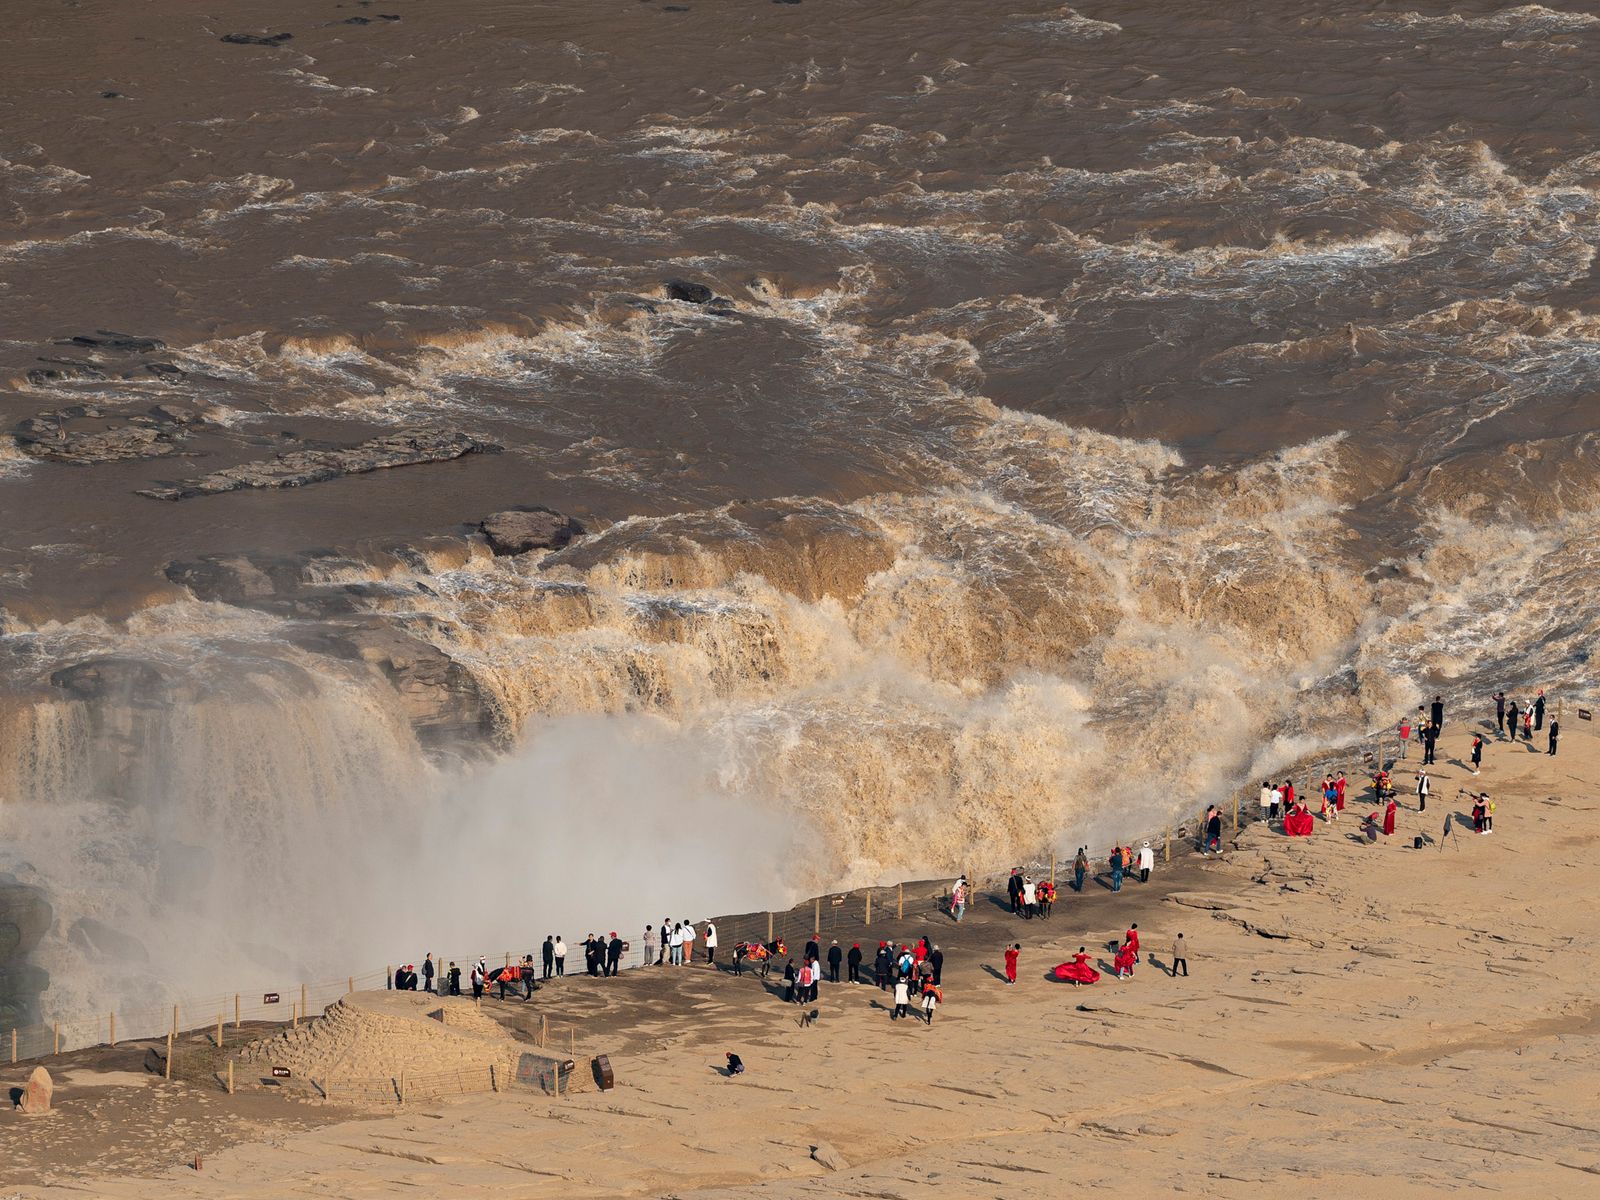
(932, 997)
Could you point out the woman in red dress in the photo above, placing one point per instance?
(1124, 962)
(1388, 817)
(1078, 970)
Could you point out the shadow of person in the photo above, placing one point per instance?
(1000, 975)
(1156, 964)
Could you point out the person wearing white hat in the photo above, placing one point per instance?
(1147, 862)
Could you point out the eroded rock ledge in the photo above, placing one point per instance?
(404, 448)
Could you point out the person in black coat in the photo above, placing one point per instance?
(853, 962)
(454, 976)
(1437, 715)
(1555, 732)
(427, 973)
(1538, 710)
(937, 961)
(613, 954)
(813, 950)
(547, 953)
(1500, 711)
(1511, 719)
(835, 957)
(880, 966)
(1014, 890)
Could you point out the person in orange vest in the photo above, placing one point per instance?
(510, 977)
(932, 997)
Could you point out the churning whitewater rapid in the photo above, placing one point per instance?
(1097, 407)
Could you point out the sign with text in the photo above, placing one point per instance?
(1585, 714)
(270, 998)
(280, 1072)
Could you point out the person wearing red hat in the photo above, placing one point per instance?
(613, 954)
(852, 961)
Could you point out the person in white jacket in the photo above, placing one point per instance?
(711, 942)
(688, 942)
(1147, 862)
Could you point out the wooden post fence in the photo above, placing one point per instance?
(303, 1009)
(1052, 868)
(402, 1085)
(817, 915)
(544, 1029)
(13, 1045)
(350, 984)
(219, 1031)
(1166, 848)
(1236, 814)
(236, 1021)
(58, 1037)
(769, 929)
(169, 1055)
(230, 1077)
(174, 1020)
(868, 920)
(294, 1016)
(572, 1039)
(113, 1029)
(900, 912)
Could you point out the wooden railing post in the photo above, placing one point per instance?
(236, 1021)
(901, 912)
(113, 1029)
(868, 921)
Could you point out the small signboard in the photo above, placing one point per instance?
(280, 1072)
(836, 901)
(1585, 714)
(270, 998)
(1366, 756)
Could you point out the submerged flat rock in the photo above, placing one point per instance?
(408, 447)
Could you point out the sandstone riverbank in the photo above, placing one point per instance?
(1362, 1019)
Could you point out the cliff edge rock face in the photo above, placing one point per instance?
(25, 917)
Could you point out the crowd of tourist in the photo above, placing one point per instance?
(913, 973)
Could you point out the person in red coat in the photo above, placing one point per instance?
(1011, 962)
(1338, 791)
(1131, 940)
(1388, 817)
(1123, 963)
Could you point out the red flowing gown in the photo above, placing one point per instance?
(1078, 969)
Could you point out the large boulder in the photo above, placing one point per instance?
(689, 293)
(519, 530)
(37, 1093)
